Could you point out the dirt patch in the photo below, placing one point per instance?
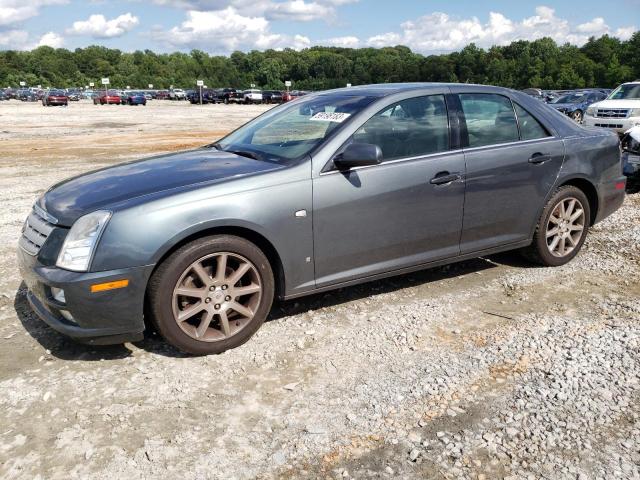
(487, 367)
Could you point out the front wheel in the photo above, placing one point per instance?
(211, 294)
(562, 228)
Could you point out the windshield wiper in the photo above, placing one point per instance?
(246, 153)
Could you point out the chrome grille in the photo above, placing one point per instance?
(612, 113)
(35, 232)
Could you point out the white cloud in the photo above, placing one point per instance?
(225, 30)
(439, 32)
(51, 39)
(14, 11)
(98, 26)
(345, 42)
(21, 40)
(291, 10)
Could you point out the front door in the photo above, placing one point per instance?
(403, 212)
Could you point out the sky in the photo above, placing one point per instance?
(222, 26)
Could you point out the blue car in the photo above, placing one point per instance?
(574, 104)
(135, 98)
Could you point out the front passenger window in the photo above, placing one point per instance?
(410, 128)
(490, 119)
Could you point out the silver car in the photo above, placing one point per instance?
(332, 189)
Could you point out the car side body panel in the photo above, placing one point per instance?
(256, 203)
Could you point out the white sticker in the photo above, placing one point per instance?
(337, 117)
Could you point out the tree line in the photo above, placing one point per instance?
(601, 62)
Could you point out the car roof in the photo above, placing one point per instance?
(385, 89)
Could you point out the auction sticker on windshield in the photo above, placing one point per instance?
(337, 117)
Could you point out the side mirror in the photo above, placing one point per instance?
(358, 155)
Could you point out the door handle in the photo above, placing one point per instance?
(444, 177)
(539, 158)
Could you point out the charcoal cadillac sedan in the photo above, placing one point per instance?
(332, 189)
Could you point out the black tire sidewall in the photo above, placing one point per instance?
(166, 276)
(540, 241)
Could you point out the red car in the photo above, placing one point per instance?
(55, 97)
(106, 98)
(292, 95)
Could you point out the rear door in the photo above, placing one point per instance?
(512, 162)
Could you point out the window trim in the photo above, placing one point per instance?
(464, 133)
(331, 168)
(513, 104)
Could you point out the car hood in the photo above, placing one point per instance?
(617, 104)
(566, 106)
(102, 189)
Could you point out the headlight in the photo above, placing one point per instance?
(77, 249)
(635, 112)
(591, 111)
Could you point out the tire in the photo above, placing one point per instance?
(542, 250)
(203, 331)
(577, 116)
(226, 101)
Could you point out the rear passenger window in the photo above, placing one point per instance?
(410, 128)
(490, 119)
(530, 128)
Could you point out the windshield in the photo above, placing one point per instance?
(570, 98)
(291, 131)
(630, 91)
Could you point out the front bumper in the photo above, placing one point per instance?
(100, 318)
(619, 125)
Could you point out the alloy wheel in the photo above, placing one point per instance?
(577, 116)
(216, 296)
(565, 227)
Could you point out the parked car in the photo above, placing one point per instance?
(229, 95)
(252, 96)
(135, 98)
(55, 97)
(208, 96)
(337, 188)
(27, 95)
(110, 97)
(272, 96)
(619, 112)
(3, 96)
(630, 144)
(575, 104)
(292, 95)
(73, 96)
(162, 95)
(177, 94)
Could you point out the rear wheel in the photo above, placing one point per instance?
(562, 228)
(577, 116)
(211, 294)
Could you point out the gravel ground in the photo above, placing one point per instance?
(489, 368)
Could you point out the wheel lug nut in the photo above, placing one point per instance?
(224, 287)
(207, 300)
(212, 288)
(217, 306)
(227, 298)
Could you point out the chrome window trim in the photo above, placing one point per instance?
(439, 154)
(493, 145)
(395, 160)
